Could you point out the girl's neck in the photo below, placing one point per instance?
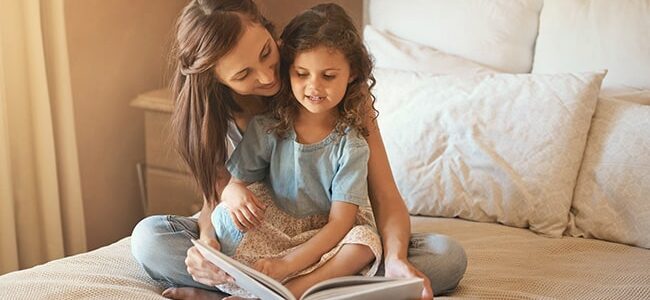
(323, 120)
(312, 128)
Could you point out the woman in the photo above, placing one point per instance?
(227, 64)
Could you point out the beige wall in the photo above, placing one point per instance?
(281, 11)
(116, 51)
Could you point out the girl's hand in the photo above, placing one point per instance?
(245, 210)
(276, 268)
(201, 269)
(402, 268)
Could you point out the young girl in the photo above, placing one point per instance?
(312, 152)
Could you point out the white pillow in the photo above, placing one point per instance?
(499, 34)
(628, 95)
(390, 52)
(492, 148)
(612, 198)
(582, 35)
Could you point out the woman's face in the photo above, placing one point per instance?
(251, 67)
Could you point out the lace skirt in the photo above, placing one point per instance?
(280, 233)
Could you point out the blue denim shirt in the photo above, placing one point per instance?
(305, 178)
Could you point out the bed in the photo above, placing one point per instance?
(526, 218)
(503, 263)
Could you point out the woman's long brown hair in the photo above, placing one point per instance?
(205, 31)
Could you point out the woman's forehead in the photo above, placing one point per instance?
(246, 51)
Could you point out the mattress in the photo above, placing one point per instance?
(503, 263)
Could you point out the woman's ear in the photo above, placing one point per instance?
(351, 79)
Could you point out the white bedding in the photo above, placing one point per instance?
(503, 263)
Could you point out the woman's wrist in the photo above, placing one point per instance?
(394, 256)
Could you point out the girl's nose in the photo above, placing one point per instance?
(314, 84)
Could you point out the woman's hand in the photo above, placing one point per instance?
(402, 268)
(245, 210)
(201, 269)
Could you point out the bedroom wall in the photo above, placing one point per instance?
(281, 11)
(116, 50)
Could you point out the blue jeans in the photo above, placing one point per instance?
(160, 243)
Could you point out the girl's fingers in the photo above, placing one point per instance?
(257, 213)
(243, 220)
(257, 203)
(250, 216)
(235, 221)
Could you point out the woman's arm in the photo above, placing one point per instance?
(390, 212)
(200, 268)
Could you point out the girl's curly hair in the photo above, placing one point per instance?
(327, 25)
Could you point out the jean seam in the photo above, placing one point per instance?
(176, 228)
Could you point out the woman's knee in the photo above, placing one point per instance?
(145, 239)
(441, 258)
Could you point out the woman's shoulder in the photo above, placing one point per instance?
(262, 121)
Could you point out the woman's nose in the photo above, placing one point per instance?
(266, 75)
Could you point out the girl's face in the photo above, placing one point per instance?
(319, 78)
(251, 67)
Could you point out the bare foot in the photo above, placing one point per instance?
(191, 293)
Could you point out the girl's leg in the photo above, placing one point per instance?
(350, 260)
(439, 257)
(160, 244)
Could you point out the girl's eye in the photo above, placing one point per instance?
(329, 77)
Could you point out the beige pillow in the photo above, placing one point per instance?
(492, 148)
(612, 199)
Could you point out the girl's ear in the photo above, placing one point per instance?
(279, 42)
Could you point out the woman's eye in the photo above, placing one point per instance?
(242, 76)
(302, 75)
(266, 52)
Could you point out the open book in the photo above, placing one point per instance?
(349, 287)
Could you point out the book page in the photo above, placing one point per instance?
(245, 277)
(344, 281)
(360, 287)
(389, 288)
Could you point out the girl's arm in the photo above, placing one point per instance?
(390, 212)
(341, 219)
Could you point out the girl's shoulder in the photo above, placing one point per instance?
(353, 138)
